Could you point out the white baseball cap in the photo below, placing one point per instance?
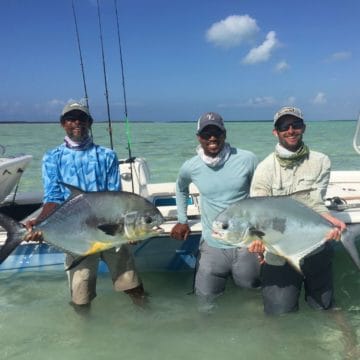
(288, 110)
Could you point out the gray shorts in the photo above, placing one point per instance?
(216, 265)
(82, 278)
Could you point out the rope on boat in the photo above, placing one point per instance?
(105, 78)
(127, 125)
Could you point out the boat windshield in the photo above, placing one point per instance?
(356, 140)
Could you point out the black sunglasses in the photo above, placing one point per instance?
(208, 133)
(72, 118)
(296, 125)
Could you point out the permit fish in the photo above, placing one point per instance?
(90, 222)
(286, 227)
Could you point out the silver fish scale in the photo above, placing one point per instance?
(73, 227)
(290, 229)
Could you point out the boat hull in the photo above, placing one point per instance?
(11, 170)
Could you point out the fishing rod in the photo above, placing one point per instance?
(80, 54)
(127, 126)
(105, 79)
(356, 139)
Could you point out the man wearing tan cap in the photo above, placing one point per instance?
(294, 168)
(90, 167)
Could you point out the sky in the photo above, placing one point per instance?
(241, 58)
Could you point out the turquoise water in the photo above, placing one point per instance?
(36, 321)
(167, 145)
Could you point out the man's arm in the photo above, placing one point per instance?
(261, 183)
(182, 230)
(46, 210)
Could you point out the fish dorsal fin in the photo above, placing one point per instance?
(255, 232)
(109, 229)
(74, 190)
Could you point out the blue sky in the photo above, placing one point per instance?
(241, 58)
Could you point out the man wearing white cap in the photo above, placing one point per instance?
(294, 168)
(223, 175)
(90, 167)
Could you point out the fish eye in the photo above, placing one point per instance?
(148, 220)
(225, 226)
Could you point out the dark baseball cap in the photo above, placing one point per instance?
(210, 118)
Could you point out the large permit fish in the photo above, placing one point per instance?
(90, 222)
(286, 227)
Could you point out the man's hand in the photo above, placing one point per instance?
(46, 210)
(180, 231)
(32, 235)
(339, 227)
(334, 234)
(258, 247)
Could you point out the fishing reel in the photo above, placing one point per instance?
(336, 203)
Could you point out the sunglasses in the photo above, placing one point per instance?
(82, 118)
(296, 125)
(207, 134)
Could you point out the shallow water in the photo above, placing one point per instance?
(37, 322)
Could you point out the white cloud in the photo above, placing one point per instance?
(256, 102)
(56, 102)
(262, 53)
(232, 31)
(282, 66)
(10, 107)
(261, 101)
(340, 56)
(291, 100)
(320, 98)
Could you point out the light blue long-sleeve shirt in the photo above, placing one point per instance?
(218, 186)
(93, 169)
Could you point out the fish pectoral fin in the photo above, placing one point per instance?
(255, 232)
(109, 229)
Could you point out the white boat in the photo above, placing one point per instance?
(11, 169)
(163, 253)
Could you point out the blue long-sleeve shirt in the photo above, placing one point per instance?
(93, 169)
(218, 186)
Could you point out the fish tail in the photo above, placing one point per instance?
(348, 240)
(14, 236)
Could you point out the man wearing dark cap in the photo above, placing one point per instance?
(90, 167)
(295, 169)
(223, 175)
